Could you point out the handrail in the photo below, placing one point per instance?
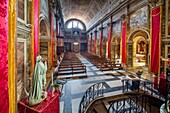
(134, 103)
(93, 92)
(141, 86)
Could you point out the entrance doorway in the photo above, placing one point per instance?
(76, 47)
(67, 46)
(84, 47)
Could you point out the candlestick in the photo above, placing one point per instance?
(52, 78)
(52, 85)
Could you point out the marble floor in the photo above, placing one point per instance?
(74, 89)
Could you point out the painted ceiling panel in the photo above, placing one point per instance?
(84, 10)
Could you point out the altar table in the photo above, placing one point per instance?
(51, 105)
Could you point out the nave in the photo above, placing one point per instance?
(74, 89)
(84, 56)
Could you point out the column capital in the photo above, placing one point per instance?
(124, 17)
(109, 24)
(101, 28)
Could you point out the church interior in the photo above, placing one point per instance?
(85, 56)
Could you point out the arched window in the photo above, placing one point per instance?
(74, 23)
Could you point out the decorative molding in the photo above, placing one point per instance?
(144, 29)
(23, 30)
(138, 6)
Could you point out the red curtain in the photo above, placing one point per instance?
(95, 36)
(52, 36)
(36, 28)
(4, 100)
(155, 39)
(124, 42)
(109, 42)
(101, 33)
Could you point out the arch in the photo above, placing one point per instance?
(136, 30)
(104, 47)
(116, 47)
(115, 36)
(74, 19)
(131, 45)
(45, 20)
(98, 47)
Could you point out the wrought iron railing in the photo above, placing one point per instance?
(92, 93)
(141, 86)
(134, 103)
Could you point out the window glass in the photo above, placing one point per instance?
(69, 25)
(80, 26)
(74, 24)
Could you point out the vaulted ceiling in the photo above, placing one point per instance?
(84, 10)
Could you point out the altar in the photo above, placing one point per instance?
(50, 105)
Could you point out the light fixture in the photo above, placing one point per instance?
(75, 43)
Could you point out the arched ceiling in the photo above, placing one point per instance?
(84, 10)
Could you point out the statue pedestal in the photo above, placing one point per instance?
(33, 102)
(50, 105)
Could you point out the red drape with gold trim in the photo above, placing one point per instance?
(95, 36)
(155, 39)
(4, 100)
(36, 28)
(124, 42)
(52, 36)
(101, 42)
(109, 42)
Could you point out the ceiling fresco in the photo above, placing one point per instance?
(84, 10)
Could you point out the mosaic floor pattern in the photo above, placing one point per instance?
(74, 89)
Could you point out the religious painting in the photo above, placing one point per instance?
(117, 27)
(168, 18)
(139, 18)
(105, 32)
(21, 71)
(22, 10)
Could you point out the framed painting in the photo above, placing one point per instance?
(139, 18)
(167, 18)
(117, 26)
(167, 51)
(22, 11)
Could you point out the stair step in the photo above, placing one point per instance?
(100, 108)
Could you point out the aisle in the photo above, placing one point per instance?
(74, 89)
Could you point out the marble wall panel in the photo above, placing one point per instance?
(20, 70)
